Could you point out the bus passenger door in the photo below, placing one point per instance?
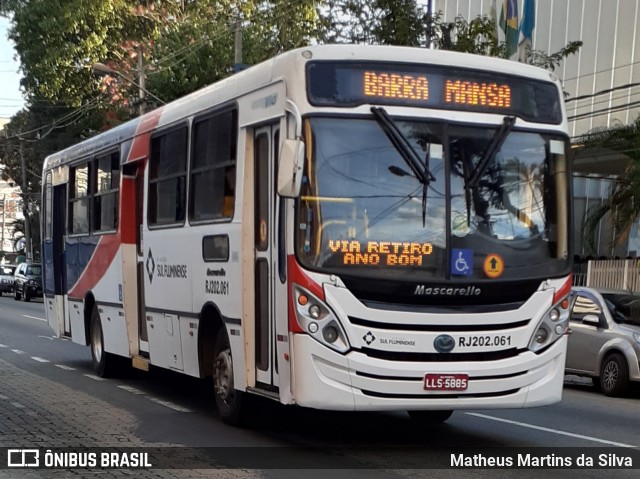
(266, 261)
(133, 262)
(59, 237)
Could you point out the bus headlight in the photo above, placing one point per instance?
(552, 326)
(319, 321)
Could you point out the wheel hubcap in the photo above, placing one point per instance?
(223, 376)
(610, 375)
(96, 344)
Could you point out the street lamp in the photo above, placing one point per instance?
(102, 69)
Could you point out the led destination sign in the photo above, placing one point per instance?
(374, 253)
(412, 87)
(348, 84)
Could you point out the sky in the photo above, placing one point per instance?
(11, 100)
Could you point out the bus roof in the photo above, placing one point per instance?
(283, 66)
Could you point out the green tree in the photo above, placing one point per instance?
(405, 22)
(56, 40)
(622, 207)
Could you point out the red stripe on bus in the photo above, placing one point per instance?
(140, 147)
(100, 261)
(108, 245)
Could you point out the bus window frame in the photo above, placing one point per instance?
(204, 116)
(96, 194)
(71, 198)
(183, 123)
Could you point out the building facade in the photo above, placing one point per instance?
(10, 210)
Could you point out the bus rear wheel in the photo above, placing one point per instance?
(103, 362)
(430, 417)
(228, 399)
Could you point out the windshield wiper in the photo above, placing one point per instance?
(496, 143)
(419, 168)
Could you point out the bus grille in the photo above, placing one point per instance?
(436, 327)
(441, 357)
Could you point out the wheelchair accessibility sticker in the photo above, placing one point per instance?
(461, 262)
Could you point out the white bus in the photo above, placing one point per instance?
(340, 227)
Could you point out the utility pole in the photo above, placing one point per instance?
(25, 207)
(141, 83)
(237, 60)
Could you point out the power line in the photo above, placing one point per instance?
(602, 92)
(71, 118)
(603, 111)
(193, 48)
(601, 71)
(605, 100)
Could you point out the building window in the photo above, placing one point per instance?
(168, 178)
(79, 200)
(213, 167)
(106, 197)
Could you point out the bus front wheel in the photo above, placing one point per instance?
(228, 399)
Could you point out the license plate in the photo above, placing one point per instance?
(446, 382)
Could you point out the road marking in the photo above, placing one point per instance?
(50, 338)
(17, 405)
(169, 405)
(3, 346)
(547, 429)
(40, 360)
(3, 397)
(95, 378)
(131, 389)
(17, 351)
(34, 317)
(66, 368)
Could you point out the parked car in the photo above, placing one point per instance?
(6, 278)
(28, 281)
(605, 339)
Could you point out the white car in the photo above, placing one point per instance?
(605, 340)
(6, 279)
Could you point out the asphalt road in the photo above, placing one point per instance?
(165, 409)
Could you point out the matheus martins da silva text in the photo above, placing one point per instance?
(547, 460)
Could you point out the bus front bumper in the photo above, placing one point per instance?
(325, 379)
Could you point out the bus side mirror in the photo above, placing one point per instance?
(290, 168)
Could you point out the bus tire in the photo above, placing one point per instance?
(430, 417)
(228, 399)
(103, 362)
(614, 376)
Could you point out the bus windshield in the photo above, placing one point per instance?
(494, 206)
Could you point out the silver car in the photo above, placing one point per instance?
(605, 339)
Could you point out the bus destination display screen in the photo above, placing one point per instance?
(348, 84)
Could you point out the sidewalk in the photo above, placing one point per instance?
(36, 412)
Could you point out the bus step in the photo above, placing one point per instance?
(140, 363)
(264, 393)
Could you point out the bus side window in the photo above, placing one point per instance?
(79, 199)
(168, 178)
(213, 167)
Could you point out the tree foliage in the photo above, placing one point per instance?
(184, 45)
